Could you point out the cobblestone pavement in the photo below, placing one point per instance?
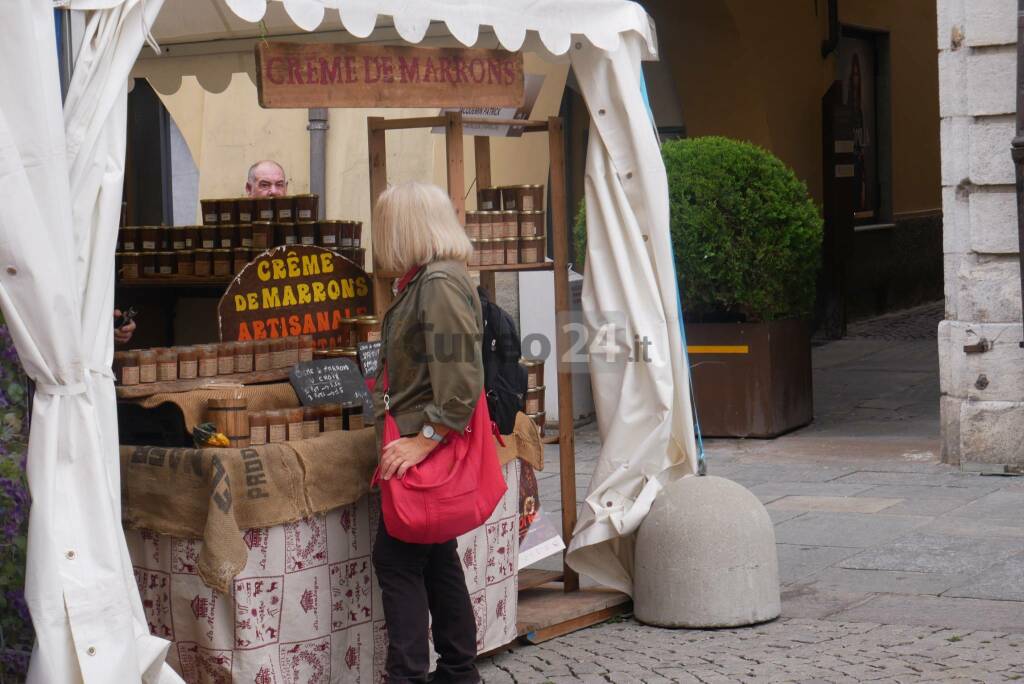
(918, 323)
(782, 651)
(893, 566)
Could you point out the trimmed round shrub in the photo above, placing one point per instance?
(746, 235)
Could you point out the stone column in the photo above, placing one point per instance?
(980, 360)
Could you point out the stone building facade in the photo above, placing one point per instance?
(980, 359)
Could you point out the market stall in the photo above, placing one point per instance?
(63, 193)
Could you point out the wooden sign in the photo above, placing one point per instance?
(304, 75)
(330, 381)
(369, 357)
(296, 290)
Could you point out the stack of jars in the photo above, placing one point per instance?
(164, 364)
(509, 228)
(303, 422)
(234, 232)
(533, 404)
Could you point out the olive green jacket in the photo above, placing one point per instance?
(430, 343)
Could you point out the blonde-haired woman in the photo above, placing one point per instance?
(430, 344)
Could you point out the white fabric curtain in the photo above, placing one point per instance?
(643, 407)
(60, 194)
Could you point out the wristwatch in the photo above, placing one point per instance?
(429, 432)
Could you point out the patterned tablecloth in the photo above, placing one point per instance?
(306, 609)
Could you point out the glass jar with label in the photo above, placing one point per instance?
(225, 358)
(177, 238)
(192, 237)
(130, 265)
(367, 329)
(150, 238)
(531, 249)
(167, 365)
(188, 363)
(147, 365)
(332, 417)
(511, 250)
(306, 207)
(487, 221)
(246, 210)
(277, 427)
(262, 235)
(291, 346)
(128, 374)
(284, 209)
(147, 263)
(186, 262)
(244, 233)
(474, 258)
(310, 422)
(130, 239)
(261, 355)
(307, 232)
(488, 199)
(257, 428)
(264, 209)
(473, 224)
(208, 237)
(227, 237)
(207, 360)
(286, 234)
(243, 356)
(210, 213)
(278, 353)
(239, 259)
(295, 424)
(328, 232)
(203, 262)
(165, 263)
(222, 262)
(227, 211)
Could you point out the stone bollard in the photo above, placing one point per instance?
(705, 557)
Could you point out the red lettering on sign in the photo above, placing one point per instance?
(259, 331)
(308, 326)
(366, 70)
(409, 70)
(294, 325)
(293, 71)
(271, 71)
(462, 70)
(493, 71)
(478, 78)
(510, 72)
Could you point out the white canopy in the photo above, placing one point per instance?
(60, 193)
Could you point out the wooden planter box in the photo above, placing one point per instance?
(751, 379)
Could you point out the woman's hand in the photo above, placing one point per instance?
(123, 334)
(404, 453)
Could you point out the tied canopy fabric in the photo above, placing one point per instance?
(643, 408)
(61, 178)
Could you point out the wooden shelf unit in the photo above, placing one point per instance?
(168, 386)
(453, 122)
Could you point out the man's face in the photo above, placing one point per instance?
(269, 182)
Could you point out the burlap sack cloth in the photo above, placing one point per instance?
(216, 494)
(193, 404)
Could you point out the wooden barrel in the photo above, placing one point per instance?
(231, 418)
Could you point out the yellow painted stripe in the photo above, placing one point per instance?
(718, 349)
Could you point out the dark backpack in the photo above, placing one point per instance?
(504, 378)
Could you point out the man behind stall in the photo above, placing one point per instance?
(266, 179)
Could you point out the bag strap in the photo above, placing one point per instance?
(385, 386)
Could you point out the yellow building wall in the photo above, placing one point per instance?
(753, 70)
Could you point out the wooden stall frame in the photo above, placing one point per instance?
(546, 616)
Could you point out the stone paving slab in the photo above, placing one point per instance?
(997, 506)
(797, 562)
(841, 578)
(956, 613)
(780, 489)
(833, 504)
(1003, 581)
(853, 529)
(936, 553)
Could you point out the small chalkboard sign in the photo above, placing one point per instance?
(330, 381)
(369, 357)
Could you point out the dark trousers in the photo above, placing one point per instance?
(420, 581)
